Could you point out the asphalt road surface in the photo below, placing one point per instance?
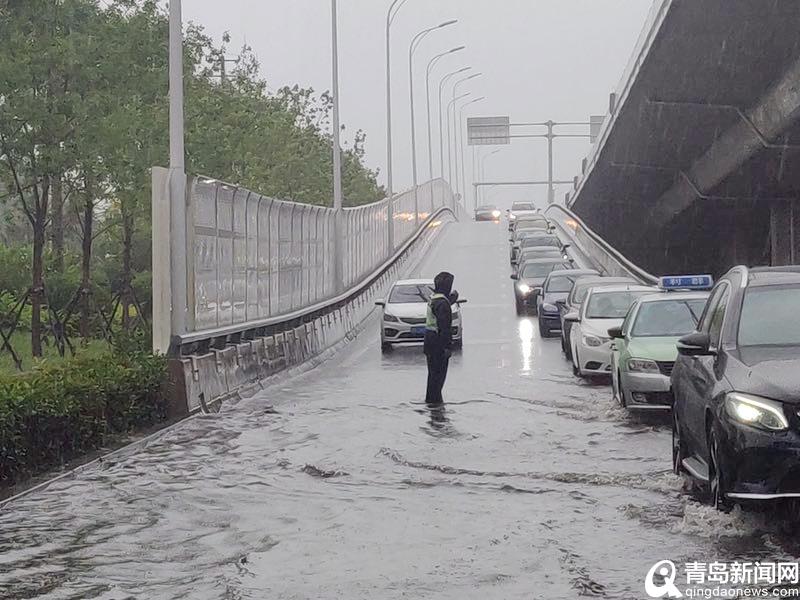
(341, 484)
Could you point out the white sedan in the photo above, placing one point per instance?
(405, 311)
(603, 309)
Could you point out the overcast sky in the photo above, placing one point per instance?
(540, 59)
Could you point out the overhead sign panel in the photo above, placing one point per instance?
(488, 131)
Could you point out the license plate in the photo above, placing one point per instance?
(418, 331)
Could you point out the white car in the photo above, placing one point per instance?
(603, 309)
(405, 310)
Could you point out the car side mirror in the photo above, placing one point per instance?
(514, 276)
(572, 317)
(616, 333)
(695, 344)
(380, 303)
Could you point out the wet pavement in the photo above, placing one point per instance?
(341, 484)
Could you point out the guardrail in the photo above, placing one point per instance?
(229, 263)
(200, 341)
(608, 260)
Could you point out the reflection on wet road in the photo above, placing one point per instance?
(341, 484)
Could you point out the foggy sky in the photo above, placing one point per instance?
(540, 59)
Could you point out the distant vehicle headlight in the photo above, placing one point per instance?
(496, 214)
(593, 341)
(642, 365)
(547, 307)
(524, 288)
(756, 411)
(512, 217)
(390, 318)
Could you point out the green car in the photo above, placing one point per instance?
(645, 347)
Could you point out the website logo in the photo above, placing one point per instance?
(664, 570)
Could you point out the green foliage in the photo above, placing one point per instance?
(54, 413)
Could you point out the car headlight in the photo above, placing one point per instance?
(496, 214)
(390, 318)
(512, 217)
(524, 288)
(551, 308)
(642, 365)
(593, 341)
(756, 411)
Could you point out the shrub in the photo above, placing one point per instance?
(55, 413)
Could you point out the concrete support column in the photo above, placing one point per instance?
(782, 232)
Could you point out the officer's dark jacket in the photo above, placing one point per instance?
(442, 338)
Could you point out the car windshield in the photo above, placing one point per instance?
(611, 305)
(562, 284)
(410, 294)
(668, 318)
(582, 289)
(523, 206)
(540, 270)
(769, 317)
(540, 241)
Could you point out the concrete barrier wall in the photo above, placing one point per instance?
(201, 382)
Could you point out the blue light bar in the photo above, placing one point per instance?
(686, 282)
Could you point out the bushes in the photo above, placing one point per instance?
(55, 413)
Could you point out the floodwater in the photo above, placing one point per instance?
(341, 484)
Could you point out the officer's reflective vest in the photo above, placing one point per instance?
(430, 321)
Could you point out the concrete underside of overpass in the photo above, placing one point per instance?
(700, 170)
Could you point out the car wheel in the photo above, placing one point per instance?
(620, 392)
(678, 450)
(458, 344)
(520, 307)
(716, 477)
(567, 349)
(386, 347)
(544, 331)
(575, 369)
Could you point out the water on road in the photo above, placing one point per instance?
(341, 484)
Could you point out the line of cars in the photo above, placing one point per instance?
(722, 357)
(535, 252)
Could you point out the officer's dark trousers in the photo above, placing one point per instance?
(438, 362)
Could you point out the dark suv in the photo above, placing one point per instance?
(736, 423)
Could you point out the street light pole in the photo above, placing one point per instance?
(455, 91)
(338, 259)
(450, 105)
(390, 15)
(551, 190)
(412, 47)
(177, 174)
(461, 145)
(431, 64)
(442, 83)
(483, 165)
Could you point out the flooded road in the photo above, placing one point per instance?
(340, 484)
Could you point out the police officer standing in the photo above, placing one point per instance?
(439, 335)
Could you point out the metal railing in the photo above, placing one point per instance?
(252, 259)
(607, 259)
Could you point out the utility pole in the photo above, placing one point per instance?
(338, 260)
(177, 174)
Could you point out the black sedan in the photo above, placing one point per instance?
(530, 277)
(553, 298)
(487, 213)
(736, 417)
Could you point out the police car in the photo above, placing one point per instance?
(405, 310)
(645, 345)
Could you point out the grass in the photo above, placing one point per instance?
(21, 342)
